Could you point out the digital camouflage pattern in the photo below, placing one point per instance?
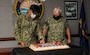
(56, 29)
(25, 28)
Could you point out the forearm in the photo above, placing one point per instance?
(39, 32)
(19, 40)
(44, 32)
(17, 32)
(40, 36)
(68, 33)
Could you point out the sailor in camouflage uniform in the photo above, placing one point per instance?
(26, 26)
(55, 27)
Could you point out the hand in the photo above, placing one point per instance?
(42, 41)
(58, 43)
(69, 41)
(22, 44)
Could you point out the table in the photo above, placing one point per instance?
(73, 50)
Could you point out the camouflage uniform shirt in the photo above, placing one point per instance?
(25, 28)
(56, 29)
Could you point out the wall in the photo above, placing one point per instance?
(6, 26)
(7, 19)
(6, 23)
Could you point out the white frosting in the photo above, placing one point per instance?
(48, 47)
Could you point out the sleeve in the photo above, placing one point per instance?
(39, 31)
(46, 25)
(66, 25)
(17, 29)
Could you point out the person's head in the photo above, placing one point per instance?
(57, 13)
(33, 11)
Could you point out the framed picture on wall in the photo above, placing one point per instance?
(70, 9)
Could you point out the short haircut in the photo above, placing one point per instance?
(57, 9)
(34, 8)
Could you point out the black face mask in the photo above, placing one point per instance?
(56, 17)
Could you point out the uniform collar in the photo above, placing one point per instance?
(61, 18)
